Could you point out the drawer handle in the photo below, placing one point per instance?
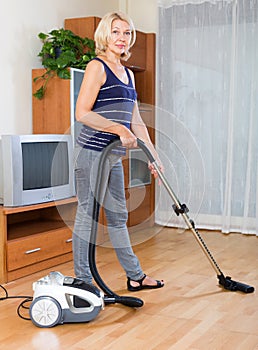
(33, 251)
(69, 240)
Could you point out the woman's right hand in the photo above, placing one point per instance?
(128, 139)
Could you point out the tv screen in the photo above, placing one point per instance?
(44, 164)
(35, 168)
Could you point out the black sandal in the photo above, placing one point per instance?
(141, 286)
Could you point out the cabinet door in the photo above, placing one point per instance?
(138, 203)
(82, 26)
(137, 61)
(51, 115)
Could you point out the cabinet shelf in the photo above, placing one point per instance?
(135, 69)
(35, 227)
(13, 210)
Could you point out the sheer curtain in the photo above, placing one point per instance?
(207, 112)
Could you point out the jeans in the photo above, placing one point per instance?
(114, 204)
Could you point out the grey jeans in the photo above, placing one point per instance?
(114, 204)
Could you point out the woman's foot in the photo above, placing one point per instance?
(145, 282)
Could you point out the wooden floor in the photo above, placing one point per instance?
(191, 312)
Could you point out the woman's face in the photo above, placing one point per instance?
(120, 37)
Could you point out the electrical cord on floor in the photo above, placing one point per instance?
(21, 305)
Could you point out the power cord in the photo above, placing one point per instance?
(23, 305)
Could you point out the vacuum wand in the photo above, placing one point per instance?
(182, 209)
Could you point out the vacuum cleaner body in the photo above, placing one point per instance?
(59, 299)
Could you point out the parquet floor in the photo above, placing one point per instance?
(190, 313)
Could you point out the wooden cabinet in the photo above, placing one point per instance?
(35, 237)
(53, 113)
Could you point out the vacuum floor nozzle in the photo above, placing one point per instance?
(234, 286)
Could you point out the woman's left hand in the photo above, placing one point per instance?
(154, 171)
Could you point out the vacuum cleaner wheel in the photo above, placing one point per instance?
(45, 312)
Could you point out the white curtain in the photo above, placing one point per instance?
(207, 112)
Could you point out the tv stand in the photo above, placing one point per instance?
(35, 237)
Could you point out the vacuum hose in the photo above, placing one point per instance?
(110, 296)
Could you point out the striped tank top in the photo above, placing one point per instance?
(115, 101)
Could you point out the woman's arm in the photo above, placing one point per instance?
(94, 78)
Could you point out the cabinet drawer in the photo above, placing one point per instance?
(32, 249)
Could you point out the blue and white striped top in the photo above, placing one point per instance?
(115, 101)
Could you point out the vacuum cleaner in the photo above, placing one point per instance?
(59, 299)
(62, 299)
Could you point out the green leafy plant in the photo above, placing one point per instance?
(61, 50)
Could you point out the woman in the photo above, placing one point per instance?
(107, 108)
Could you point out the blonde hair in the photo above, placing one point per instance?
(103, 33)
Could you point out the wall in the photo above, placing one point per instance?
(20, 22)
(143, 12)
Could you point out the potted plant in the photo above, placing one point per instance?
(61, 50)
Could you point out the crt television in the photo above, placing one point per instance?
(35, 169)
